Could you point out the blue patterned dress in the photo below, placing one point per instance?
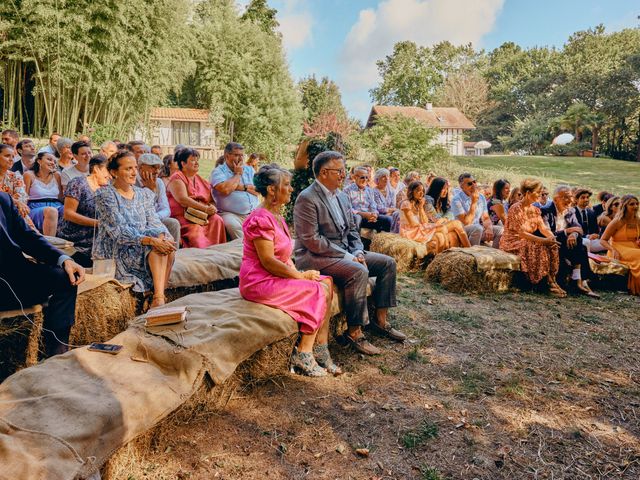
(122, 224)
(80, 235)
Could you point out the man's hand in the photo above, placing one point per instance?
(238, 168)
(488, 233)
(148, 181)
(251, 189)
(360, 259)
(593, 236)
(75, 271)
(475, 195)
(572, 240)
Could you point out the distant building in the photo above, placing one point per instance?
(450, 121)
(169, 127)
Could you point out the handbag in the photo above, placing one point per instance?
(196, 216)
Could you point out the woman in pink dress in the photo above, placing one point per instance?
(187, 189)
(268, 276)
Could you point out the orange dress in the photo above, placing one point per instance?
(191, 234)
(422, 232)
(625, 241)
(536, 260)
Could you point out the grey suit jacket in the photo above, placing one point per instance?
(319, 240)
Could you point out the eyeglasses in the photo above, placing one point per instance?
(363, 177)
(473, 182)
(341, 171)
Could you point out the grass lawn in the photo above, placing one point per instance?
(597, 173)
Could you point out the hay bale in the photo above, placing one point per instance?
(172, 294)
(102, 313)
(458, 272)
(408, 254)
(268, 363)
(19, 339)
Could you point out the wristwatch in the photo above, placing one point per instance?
(245, 187)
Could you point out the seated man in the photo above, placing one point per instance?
(562, 221)
(233, 189)
(149, 166)
(27, 151)
(55, 276)
(363, 203)
(588, 220)
(470, 207)
(108, 148)
(328, 241)
(51, 147)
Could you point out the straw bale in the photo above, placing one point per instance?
(172, 294)
(102, 313)
(458, 272)
(19, 339)
(408, 254)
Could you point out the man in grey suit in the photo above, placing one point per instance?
(328, 241)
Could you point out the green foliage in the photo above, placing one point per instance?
(89, 63)
(571, 150)
(259, 12)
(242, 74)
(321, 97)
(430, 473)
(414, 438)
(403, 142)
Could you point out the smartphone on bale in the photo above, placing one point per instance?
(105, 348)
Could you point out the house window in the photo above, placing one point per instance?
(186, 133)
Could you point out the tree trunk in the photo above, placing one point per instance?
(594, 138)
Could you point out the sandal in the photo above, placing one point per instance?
(556, 291)
(303, 363)
(323, 357)
(158, 301)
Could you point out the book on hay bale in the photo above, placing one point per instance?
(165, 316)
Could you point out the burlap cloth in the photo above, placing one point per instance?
(488, 258)
(63, 418)
(609, 268)
(200, 266)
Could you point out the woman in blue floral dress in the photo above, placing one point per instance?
(130, 231)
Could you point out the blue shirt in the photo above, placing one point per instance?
(238, 202)
(461, 204)
(162, 202)
(361, 200)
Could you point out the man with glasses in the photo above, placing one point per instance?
(363, 203)
(328, 241)
(233, 189)
(562, 221)
(470, 207)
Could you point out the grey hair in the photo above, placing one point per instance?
(107, 144)
(408, 178)
(561, 188)
(323, 158)
(381, 172)
(268, 175)
(63, 142)
(361, 168)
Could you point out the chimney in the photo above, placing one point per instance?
(429, 106)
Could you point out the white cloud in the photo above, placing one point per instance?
(296, 29)
(423, 21)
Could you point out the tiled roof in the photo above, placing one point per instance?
(188, 114)
(437, 117)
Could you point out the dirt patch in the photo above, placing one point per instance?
(510, 386)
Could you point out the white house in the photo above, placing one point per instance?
(450, 121)
(169, 127)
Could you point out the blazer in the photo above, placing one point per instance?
(550, 214)
(16, 237)
(591, 225)
(320, 242)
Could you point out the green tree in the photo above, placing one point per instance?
(403, 142)
(259, 12)
(321, 97)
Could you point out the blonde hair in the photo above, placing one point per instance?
(624, 203)
(530, 185)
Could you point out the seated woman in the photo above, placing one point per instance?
(438, 212)
(268, 276)
(611, 207)
(498, 204)
(65, 159)
(79, 222)
(12, 183)
(622, 239)
(514, 197)
(415, 225)
(187, 189)
(130, 232)
(385, 198)
(44, 187)
(526, 235)
(169, 168)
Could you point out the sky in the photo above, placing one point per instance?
(343, 39)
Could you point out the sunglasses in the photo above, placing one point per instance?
(615, 204)
(363, 177)
(468, 184)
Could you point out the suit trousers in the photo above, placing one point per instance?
(35, 283)
(382, 224)
(352, 278)
(578, 255)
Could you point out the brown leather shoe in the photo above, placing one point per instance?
(362, 345)
(388, 331)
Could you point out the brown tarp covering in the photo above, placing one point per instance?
(488, 258)
(199, 266)
(63, 418)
